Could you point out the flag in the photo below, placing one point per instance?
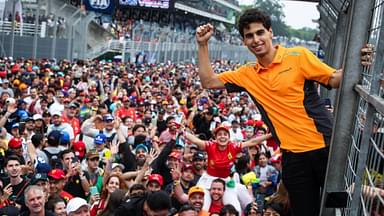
(100, 6)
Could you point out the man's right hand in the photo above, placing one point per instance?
(203, 33)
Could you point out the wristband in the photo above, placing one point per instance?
(176, 182)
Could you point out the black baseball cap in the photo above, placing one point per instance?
(198, 156)
(39, 177)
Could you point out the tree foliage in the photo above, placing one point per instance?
(275, 9)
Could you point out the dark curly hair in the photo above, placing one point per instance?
(250, 16)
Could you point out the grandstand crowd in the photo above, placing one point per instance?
(112, 138)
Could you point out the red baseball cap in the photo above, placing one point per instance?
(175, 155)
(3, 73)
(186, 167)
(15, 143)
(57, 174)
(79, 148)
(221, 127)
(250, 122)
(157, 178)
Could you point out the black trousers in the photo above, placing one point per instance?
(303, 175)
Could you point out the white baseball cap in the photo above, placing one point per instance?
(56, 113)
(76, 203)
(114, 165)
(37, 117)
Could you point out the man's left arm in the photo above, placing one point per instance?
(365, 60)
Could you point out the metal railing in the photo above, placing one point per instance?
(23, 29)
(172, 51)
(356, 164)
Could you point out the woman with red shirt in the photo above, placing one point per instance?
(113, 182)
(221, 157)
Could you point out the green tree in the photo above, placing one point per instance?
(275, 9)
(303, 33)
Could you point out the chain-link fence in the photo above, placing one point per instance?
(356, 164)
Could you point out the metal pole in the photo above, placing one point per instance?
(124, 49)
(70, 32)
(13, 29)
(359, 22)
(49, 6)
(84, 40)
(323, 91)
(37, 24)
(53, 48)
(89, 20)
(70, 43)
(339, 47)
(178, 52)
(173, 48)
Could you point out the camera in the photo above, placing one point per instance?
(10, 101)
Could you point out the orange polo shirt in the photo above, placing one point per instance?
(287, 98)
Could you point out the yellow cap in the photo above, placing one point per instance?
(195, 189)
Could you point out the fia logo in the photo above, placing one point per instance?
(100, 4)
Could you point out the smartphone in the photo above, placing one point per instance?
(260, 201)
(21, 127)
(74, 162)
(93, 190)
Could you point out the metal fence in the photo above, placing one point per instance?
(356, 163)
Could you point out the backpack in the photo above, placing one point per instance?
(54, 160)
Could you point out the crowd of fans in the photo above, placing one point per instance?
(138, 25)
(112, 138)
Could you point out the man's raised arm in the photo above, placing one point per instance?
(207, 77)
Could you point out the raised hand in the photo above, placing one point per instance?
(176, 172)
(114, 148)
(7, 191)
(12, 108)
(153, 154)
(203, 33)
(117, 123)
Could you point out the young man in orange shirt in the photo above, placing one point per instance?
(282, 85)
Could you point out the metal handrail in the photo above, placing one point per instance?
(20, 28)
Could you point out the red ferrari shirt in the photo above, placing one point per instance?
(75, 123)
(123, 112)
(216, 207)
(220, 162)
